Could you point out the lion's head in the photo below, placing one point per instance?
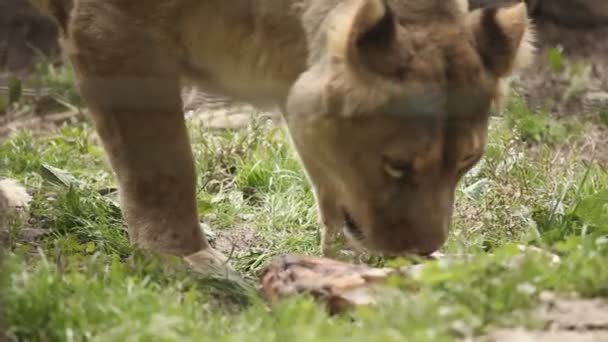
(394, 109)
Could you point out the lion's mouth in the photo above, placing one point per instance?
(352, 227)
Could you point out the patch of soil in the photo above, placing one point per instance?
(233, 241)
(38, 124)
(27, 236)
(566, 319)
(219, 112)
(575, 314)
(520, 335)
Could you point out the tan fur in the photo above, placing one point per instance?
(364, 88)
(463, 5)
(519, 28)
(516, 23)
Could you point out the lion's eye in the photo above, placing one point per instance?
(397, 169)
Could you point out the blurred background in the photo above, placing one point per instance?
(542, 183)
(570, 76)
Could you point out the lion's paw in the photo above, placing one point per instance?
(211, 262)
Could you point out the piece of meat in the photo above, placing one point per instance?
(339, 285)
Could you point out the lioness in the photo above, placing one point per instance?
(386, 103)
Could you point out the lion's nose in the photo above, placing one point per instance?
(431, 242)
(422, 238)
(425, 241)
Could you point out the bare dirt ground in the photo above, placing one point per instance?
(565, 320)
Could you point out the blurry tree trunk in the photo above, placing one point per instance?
(25, 36)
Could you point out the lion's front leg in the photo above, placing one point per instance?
(140, 123)
(134, 101)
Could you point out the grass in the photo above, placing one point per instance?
(83, 281)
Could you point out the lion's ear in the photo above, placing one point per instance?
(503, 37)
(362, 33)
